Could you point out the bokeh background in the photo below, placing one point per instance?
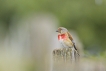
(27, 31)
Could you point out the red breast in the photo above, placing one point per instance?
(61, 36)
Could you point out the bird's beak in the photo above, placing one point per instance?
(56, 30)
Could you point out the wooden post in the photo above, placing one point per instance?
(65, 54)
(64, 59)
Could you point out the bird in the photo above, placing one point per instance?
(67, 41)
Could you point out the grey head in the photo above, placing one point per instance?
(62, 30)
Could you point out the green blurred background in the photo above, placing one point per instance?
(86, 17)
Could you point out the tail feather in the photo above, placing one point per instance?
(76, 50)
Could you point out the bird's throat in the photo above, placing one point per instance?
(61, 36)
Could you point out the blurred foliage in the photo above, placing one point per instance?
(87, 17)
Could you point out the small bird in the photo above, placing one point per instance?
(66, 40)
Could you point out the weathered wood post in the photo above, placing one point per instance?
(63, 59)
(66, 54)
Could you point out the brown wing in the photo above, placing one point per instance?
(70, 37)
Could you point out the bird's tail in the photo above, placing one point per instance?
(76, 50)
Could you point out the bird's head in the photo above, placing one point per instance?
(62, 30)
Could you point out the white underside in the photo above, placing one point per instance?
(62, 42)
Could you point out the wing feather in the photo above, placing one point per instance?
(70, 37)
